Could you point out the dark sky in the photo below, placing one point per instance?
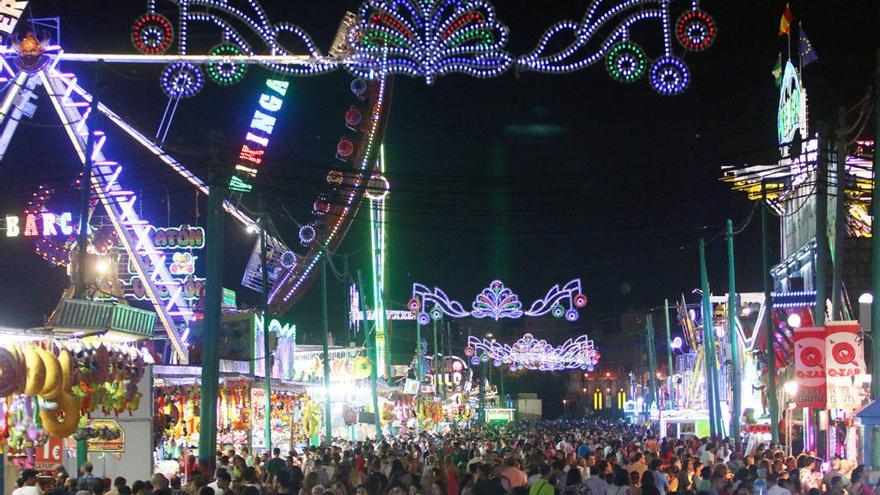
(616, 193)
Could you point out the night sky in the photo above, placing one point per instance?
(531, 178)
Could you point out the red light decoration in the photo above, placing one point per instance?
(382, 19)
(152, 34)
(345, 148)
(695, 30)
(580, 300)
(461, 21)
(353, 117)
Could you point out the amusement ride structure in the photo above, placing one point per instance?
(418, 38)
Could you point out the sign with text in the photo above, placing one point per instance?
(48, 455)
(10, 12)
(43, 224)
(809, 362)
(844, 364)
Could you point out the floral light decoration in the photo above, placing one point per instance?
(429, 39)
(497, 302)
(535, 354)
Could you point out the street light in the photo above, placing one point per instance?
(565, 408)
(865, 302)
(794, 320)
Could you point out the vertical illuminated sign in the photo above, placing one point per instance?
(250, 158)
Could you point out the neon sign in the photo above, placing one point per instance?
(250, 158)
(183, 237)
(791, 113)
(10, 11)
(43, 224)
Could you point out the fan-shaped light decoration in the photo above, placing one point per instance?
(152, 34)
(429, 38)
(181, 80)
(226, 73)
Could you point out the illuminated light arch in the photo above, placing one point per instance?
(529, 353)
(497, 302)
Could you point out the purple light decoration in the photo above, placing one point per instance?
(424, 318)
(288, 259)
(181, 80)
(676, 343)
(606, 27)
(669, 76)
(429, 39)
(496, 302)
(307, 234)
(536, 354)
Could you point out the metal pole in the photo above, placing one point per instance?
(707, 339)
(435, 363)
(374, 356)
(732, 310)
(419, 370)
(821, 234)
(772, 403)
(85, 193)
(328, 429)
(211, 329)
(875, 261)
(481, 414)
(668, 353)
(838, 312)
(82, 453)
(822, 254)
(267, 358)
(652, 360)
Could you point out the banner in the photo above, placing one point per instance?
(809, 362)
(10, 11)
(844, 365)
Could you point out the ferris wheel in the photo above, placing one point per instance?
(410, 37)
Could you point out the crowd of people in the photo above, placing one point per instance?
(539, 458)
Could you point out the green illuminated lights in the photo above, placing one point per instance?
(226, 73)
(626, 61)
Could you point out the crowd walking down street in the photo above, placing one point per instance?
(538, 458)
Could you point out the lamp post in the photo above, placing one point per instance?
(565, 408)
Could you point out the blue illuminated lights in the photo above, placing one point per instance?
(307, 235)
(497, 302)
(605, 32)
(429, 39)
(181, 80)
(669, 76)
(249, 15)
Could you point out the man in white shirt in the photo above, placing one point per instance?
(29, 478)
